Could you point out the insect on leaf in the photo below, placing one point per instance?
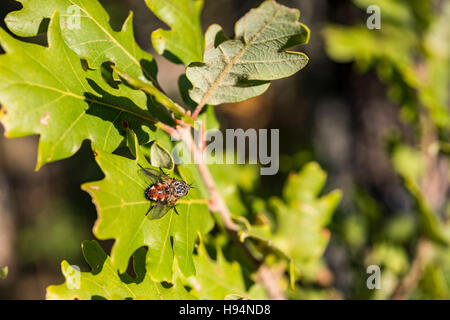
(158, 210)
(122, 206)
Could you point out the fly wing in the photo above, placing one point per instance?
(151, 174)
(159, 210)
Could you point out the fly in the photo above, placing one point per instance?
(164, 192)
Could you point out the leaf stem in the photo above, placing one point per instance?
(157, 94)
(216, 202)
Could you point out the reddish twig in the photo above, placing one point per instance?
(410, 280)
(270, 281)
(216, 204)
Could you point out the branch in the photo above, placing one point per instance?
(270, 281)
(216, 203)
(423, 255)
(198, 109)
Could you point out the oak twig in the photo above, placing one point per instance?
(216, 203)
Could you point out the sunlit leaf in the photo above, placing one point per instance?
(219, 279)
(241, 68)
(93, 39)
(45, 91)
(184, 41)
(301, 208)
(121, 207)
(104, 282)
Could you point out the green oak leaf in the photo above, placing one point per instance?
(220, 279)
(184, 41)
(232, 180)
(160, 157)
(302, 209)
(121, 207)
(237, 69)
(46, 91)
(3, 272)
(93, 39)
(104, 282)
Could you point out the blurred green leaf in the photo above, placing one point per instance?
(409, 165)
(57, 232)
(433, 285)
(184, 41)
(409, 53)
(231, 181)
(390, 256)
(103, 282)
(3, 272)
(401, 228)
(219, 279)
(241, 68)
(301, 218)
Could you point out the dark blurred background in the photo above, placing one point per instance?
(327, 112)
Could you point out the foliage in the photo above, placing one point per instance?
(103, 282)
(300, 209)
(237, 69)
(220, 279)
(3, 272)
(183, 17)
(410, 53)
(94, 83)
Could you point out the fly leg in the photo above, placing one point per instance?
(164, 173)
(149, 209)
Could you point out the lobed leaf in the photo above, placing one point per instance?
(103, 282)
(46, 91)
(300, 209)
(237, 69)
(184, 41)
(219, 279)
(121, 207)
(93, 40)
